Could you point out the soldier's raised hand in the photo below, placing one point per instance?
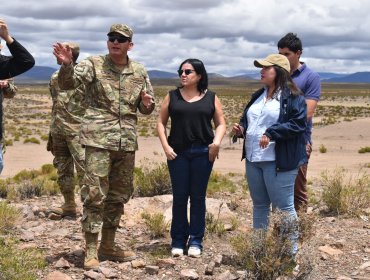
(63, 53)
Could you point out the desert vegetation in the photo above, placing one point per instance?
(333, 194)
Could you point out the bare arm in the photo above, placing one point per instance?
(161, 128)
(219, 120)
(311, 106)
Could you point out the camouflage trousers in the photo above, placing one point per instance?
(107, 185)
(68, 155)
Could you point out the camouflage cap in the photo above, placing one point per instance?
(122, 29)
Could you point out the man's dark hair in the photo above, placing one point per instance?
(290, 41)
(200, 70)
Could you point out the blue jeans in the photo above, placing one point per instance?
(269, 187)
(189, 172)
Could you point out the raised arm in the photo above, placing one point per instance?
(20, 61)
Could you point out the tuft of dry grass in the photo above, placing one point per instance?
(344, 194)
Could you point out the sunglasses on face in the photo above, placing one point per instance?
(186, 71)
(120, 39)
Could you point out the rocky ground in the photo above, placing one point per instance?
(339, 249)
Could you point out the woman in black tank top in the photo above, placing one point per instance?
(191, 148)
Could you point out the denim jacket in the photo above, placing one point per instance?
(288, 132)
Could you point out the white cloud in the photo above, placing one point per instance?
(227, 34)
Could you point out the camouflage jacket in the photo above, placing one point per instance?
(113, 98)
(68, 108)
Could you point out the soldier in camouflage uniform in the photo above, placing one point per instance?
(67, 114)
(7, 90)
(116, 87)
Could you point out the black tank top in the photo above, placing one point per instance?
(190, 121)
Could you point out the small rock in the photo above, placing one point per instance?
(62, 263)
(57, 275)
(330, 219)
(138, 263)
(151, 269)
(228, 227)
(330, 251)
(27, 213)
(166, 263)
(54, 217)
(124, 266)
(364, 266)
(227, 275)
(218, 260)
(210, 268)
(343, 278)
(27, 236)
(188, 274)
(108, 272)
(94, 275)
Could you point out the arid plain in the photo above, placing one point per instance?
(341, 127)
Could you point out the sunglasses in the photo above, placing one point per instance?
(187, 72)
(120, 39)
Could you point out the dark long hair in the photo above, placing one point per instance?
(284, 80)
(200, 70)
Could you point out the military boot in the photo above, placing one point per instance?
(91, 252)
(68, 208)
(109, 250)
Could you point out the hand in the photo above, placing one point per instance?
(170, 153)
(4, 83)
(4, 32)
(213, 150)
(63, 53)
(264, 141)
(146, 99)
(237, 129)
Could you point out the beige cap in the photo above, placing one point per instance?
(273, 59)
(122, 29)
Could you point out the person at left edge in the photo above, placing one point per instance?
(116, 88)
(19, 62)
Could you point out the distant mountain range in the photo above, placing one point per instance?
(41, 74)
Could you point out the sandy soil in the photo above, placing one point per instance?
(342, 140)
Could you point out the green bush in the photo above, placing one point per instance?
(19, 264)
(323, 149)
(220, 183)
(8, 217)
(344, 194)
(152, 179)
(8, 142)
(364, 150)
(31, 140)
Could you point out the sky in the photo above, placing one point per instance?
(227, 35)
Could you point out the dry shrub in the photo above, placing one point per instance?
(156, 224)
(345, 194)
(266, 254)
(152, 179)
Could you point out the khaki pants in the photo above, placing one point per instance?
(108, 184)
